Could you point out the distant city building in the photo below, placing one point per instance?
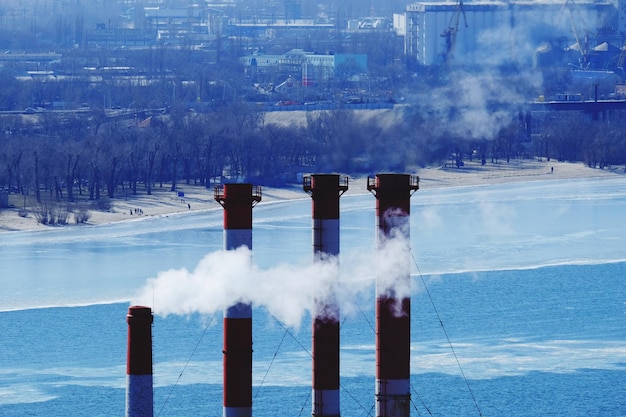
(621, 16)
(312, 67)
(399, 24)
(275, 28)
(176, 23)
(492, 32)
(437, 31)
(293, 10)
(370, 24)
(117, 37)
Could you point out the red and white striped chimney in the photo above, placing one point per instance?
(139, 387)
(393, 303)
(237, 200)
(325, 191)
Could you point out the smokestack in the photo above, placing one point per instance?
(393, 313)
(237, 200)
(139, 390)
(325, 191)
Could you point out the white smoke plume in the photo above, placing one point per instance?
(287, 291)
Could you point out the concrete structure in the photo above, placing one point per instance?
(621, 16)
(427, 22)
(269, 28)
(497, 32)
(325, 191)
(194, 21)
(116, 37)
(393, 302)
(139, 382)
(313, 67)
(370, 24)
(237, 200)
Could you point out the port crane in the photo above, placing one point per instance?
(580, 47)
(622, 57)
(450, 34)
(582, 44)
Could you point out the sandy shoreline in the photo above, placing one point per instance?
(164, 202)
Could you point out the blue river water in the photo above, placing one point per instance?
(518, 308)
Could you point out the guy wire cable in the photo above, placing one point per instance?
(169, 394)
(456, 358)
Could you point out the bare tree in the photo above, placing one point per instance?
(72, 158)
(11, 157)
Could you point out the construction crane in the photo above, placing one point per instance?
(450, 34)
(622, 57)
(581, 45)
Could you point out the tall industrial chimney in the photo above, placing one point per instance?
(237, 200)
(139, 391)
(325, 191)
(393, 303)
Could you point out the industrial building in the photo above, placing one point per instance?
(313, 67)
(480, 32)
(436, 31)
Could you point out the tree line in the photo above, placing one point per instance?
(91, 158)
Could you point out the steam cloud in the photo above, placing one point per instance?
(287, 291)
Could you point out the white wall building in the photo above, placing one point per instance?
(312, 67)
(428, 25)
(494, 31)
